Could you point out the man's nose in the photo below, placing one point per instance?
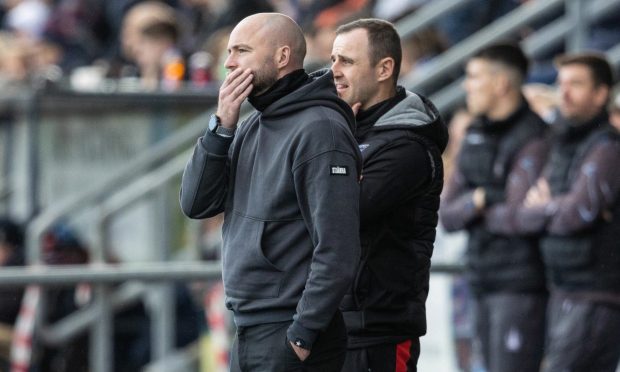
(230, 62)
(335, 70)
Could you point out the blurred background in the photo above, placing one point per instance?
(101, 102)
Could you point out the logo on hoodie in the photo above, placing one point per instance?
(338, 170)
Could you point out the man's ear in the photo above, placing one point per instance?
(501, 83)
(283, 56)
(385, 69)
(601, 95)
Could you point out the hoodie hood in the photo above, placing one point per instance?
(418, 114)
(319, 90)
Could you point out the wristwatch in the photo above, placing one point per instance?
(215, 127)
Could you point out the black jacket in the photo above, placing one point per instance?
(401, 184)
(494, 155)
(585, 259)
(288, 183)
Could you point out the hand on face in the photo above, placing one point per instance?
(234, 90)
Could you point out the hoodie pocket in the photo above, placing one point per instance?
(247, 273)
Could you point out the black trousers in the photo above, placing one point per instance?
(511, 330)
(265, 348)
(583, 336)
(401, 357)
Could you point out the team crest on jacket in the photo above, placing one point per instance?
(363, 146)
(338, 170)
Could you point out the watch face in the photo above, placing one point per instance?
(213, 122)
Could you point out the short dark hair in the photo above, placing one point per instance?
(508, 54)
(383, 40)
(161, 30)
(599, 67)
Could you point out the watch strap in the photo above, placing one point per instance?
(224, 132)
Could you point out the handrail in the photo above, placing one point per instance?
(154, 167)
(453, 58)
(614, 56)
(148, 272)
(80, 320)
(426, 15)
(145, 160)
(108, 273)
(552, 34)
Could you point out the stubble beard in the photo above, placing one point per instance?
(264, 78)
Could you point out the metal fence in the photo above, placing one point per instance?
(153, 170)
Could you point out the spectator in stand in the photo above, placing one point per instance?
(14, 59)
(62, 246)
(151, 38)
(320, 30)
(307, 11)
(319, 43)
(209, 16)
(25, 52)
(81, 30)
(160, 62)
(137, 18)
(342, 10)
(216, 47)
(419, 50)
(465, 21)
(27, 18)
(11, 254)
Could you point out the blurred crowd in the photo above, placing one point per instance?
(21, 346)
(169, 44)
(163, 44)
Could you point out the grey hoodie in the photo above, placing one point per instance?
(288, 184)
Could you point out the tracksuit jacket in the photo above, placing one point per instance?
(581, 223)
(504, 157)
(400, 188)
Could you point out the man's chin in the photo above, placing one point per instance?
(344, 97)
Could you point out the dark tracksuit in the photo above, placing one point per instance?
(401, 140)
(288, 184)
(505, 269)
(581, 230)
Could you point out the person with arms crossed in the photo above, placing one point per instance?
(501, 156)
(576, 206)
(401, 137)
(287, 180)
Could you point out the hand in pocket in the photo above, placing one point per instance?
(301, 353)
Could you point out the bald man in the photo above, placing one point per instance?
(287, 179)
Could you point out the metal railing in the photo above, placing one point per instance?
(534, 45)
(152, 170)
(128, 186)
